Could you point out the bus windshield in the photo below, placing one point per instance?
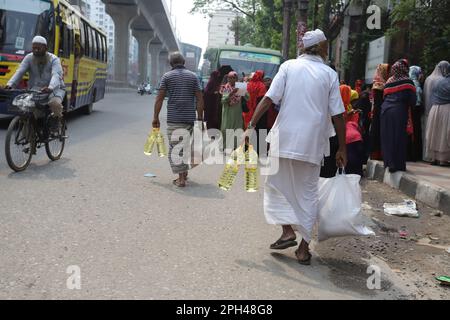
(248, 62)
(20, 21)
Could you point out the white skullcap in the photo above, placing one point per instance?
(313, 37)
(39, 39)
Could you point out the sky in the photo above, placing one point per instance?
(192, 29)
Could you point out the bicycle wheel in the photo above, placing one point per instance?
(19, 143)
(54, 146)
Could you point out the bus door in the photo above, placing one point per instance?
(66, 48)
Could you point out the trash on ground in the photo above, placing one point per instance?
(445, 280)
(407, 208)
(149, 175)
(427, 242)
(432, 238)
(403, 233)
(366, 206)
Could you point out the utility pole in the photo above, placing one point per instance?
(287, 15)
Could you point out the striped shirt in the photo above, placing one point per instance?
(181, 85)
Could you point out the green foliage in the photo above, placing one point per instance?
(429, 24)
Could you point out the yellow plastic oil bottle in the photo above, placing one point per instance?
(162, 150)
(150, 143)
(228, 176)
(251, 170)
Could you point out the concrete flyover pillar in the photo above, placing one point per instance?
(122, 15)
(155, 49)
(163, 58)
(143, 38)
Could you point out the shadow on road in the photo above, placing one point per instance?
(342, 274)
(51, 170)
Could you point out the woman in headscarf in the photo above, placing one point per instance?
(231, 106)
(379, 81)
(415, 140)
(430, 83)
(399, 97)
(438, 126)
(212, 100)
(354, 140)
(256, 89)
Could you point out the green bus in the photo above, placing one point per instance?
(244, 59)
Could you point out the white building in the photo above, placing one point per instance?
(219, 28)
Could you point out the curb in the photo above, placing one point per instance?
(421, 190)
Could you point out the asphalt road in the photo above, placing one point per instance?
(142, 238)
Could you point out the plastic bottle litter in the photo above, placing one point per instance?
(251, 170)
(407, 208)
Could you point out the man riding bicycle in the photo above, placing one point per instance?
(45, 74)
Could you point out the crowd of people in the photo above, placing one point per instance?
(225, 109)
(398, 118)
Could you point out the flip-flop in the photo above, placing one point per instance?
(283, 244)
(178, 184)
(305, 262)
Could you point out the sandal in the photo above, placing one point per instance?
(305, 262)
(179, 184)
(283, 244)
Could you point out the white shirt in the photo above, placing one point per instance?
(307, 91)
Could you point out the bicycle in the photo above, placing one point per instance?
(30, 129)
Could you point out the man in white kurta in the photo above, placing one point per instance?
(307, 91)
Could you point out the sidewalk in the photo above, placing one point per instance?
(424, 182)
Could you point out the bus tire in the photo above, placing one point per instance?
(90, 107)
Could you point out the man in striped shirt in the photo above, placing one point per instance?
(183, 88)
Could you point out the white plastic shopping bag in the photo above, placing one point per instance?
(340, 207)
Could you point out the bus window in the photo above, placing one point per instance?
(105, 45)
(91, 42)
(98, 50)
(87, 42)
(20, 21)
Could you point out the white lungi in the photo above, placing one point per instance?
(291, 196)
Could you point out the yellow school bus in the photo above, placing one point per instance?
(81, 46)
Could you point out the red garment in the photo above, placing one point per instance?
(256, 89)
(353, 132)
(358, 85)
(346, 94)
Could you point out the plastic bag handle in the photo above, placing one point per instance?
(343, 171)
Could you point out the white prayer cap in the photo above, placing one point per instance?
(39, 39)
(313, 37)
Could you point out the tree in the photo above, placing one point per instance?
(428, 30)
(248, 8)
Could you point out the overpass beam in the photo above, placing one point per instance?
(143, 38)
(122, 16)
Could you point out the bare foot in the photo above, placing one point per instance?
(179, 183)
